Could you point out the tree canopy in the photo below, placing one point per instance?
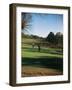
(51, 37)
(25, 21)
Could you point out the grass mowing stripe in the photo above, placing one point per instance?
(38, 54)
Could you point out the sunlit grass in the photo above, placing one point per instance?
(28, 51)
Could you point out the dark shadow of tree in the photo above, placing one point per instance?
(46, 62)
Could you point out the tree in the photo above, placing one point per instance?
(59, 38)
(25, 21)
(51, 37)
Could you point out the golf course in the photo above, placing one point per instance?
(47, 61)
(41, 44)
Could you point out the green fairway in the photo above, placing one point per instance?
(46, 55)
(29, 52)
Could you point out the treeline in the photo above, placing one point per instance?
(55, 39)
(31, 36)
(52, 40)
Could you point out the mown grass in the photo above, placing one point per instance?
(28, 51)
(49, 58)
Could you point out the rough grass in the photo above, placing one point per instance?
(28, 71)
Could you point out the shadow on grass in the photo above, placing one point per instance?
(54, 63)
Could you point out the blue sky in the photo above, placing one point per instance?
(43, 24)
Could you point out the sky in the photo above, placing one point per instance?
(43, 24)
